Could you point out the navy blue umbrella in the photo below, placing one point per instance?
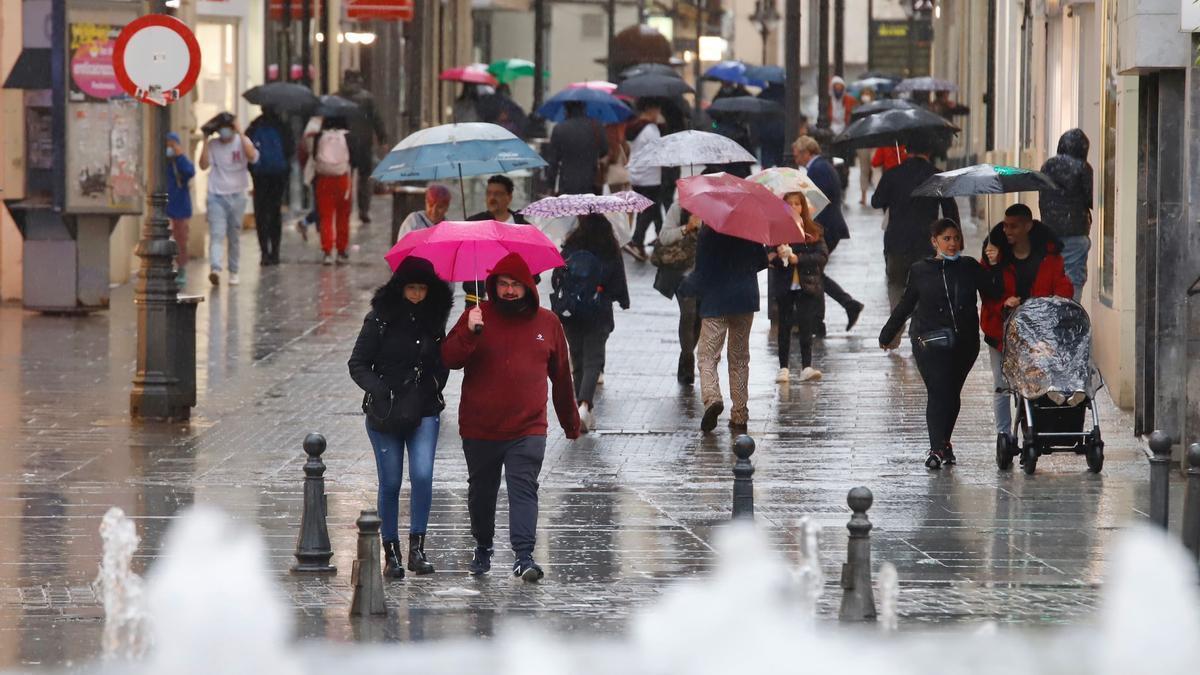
(601, 106)
(766, 74)
(733, 72)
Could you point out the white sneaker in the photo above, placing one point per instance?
(233, 279)
(327, 260)
(810, 374)
(586, 421)
(783, 375)
(600, 379)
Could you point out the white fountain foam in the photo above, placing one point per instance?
(120, 589)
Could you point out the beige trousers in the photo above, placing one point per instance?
(712, 339)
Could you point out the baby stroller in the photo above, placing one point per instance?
(1048, 368)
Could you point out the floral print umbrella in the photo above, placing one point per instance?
(582, 205)
(782, 180)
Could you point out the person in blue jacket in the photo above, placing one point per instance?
(180, 171)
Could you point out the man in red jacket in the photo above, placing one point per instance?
(502, 415)
(1033, 268)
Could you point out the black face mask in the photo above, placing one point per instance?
(513, 307)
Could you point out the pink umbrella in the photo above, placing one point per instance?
(739, 208)
(598, 85)
(468, 250)
(468, 74)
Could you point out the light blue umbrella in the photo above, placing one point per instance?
(601, 106)
(456, 150)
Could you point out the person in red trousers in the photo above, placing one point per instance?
(332, 181)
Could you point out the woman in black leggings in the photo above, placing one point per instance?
(941, 299)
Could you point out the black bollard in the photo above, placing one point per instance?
(1160, 478)
(1191, 503)
(367, 577)
(313, 551)
(743, 478)
(858, 597)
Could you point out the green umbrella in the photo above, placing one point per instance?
(507, 70)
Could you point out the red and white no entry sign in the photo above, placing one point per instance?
(156, 59)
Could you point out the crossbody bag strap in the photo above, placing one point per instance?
(949, 300)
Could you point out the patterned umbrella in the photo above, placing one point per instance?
(984, 179)
(690, 148)
(924, 84)
(582, 205)
(781, 180)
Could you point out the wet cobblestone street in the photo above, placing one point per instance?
(625, 511)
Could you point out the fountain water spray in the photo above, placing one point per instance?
(810, 580)
(889, 597)
(121, 589)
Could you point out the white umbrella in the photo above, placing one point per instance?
(690, 148)
(781, 180)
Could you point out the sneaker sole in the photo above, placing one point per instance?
(711, 413)
(532, 575)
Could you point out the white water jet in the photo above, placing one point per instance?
(810, 579)
(120, 589)
(889, 597)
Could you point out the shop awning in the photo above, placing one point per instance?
(31, 71)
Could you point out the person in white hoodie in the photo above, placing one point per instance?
(647, 181)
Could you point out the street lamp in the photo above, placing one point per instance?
(767, 18)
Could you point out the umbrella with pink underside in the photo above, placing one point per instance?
(739, 208)
(466, 250)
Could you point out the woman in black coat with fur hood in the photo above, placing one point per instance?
(397, 361)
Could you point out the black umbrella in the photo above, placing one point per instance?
(895, 126)
(650, 69)
(286, 97)
(746, 104)
(984, 179)
(881, 105)
(768, 74)
(332, 105)
(658, 86)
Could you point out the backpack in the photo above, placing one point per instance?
(271, 159)
(333, 153)
(578, 294)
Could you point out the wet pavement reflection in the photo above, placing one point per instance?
(625, 511)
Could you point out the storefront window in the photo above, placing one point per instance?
(1108, 157)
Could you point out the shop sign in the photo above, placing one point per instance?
(91, 62)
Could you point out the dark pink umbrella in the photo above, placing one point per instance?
(739, 208)
(470, 75)
(468, 250)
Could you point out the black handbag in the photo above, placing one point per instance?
(942, 339)
(402, 411)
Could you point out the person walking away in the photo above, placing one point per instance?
(941, 299)
(642, 132)
(865, 177)
(616, 178)
(1067, 211)
(180, 171)
(584, 292)
(272, 137)
(577, 146)
(1031, 264)
(227, 161)
(498, 197)
(331, 177)
(675, 257)
(397, 361)
(906, 238)
(726, 282)
(888, 157)
(466, 106)
(769, 129)
(807, 153)
(507, 347)
(799, 272)
(365, 126)
(437, 203)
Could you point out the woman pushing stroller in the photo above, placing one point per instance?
(941, 299)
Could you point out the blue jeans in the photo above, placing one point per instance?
(389, 464)
(1075, 260)
(1001, 403)
(225, 213)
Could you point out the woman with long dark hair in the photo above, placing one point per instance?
(942, 298)
(397, 361)
(584, 291)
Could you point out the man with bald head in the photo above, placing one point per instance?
(437, 203)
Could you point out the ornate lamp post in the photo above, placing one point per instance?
(767, 18)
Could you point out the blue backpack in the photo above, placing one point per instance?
(578, 294)
(271, 159)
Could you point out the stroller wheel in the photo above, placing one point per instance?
(1029, 457)
(1095, 454)
(1004, 456)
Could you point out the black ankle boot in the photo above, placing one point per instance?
(393, 566)
(417, 562)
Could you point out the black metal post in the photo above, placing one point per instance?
(1190, 532)
(323, 51)
(858, 598)
(313, 551)
(743, 478)
(791, 64)
(912, 43)
(611, 58)
(870, 34)
(306, 45)
(839, 37)
(367, 577)
(1160, 478)
(823, 64)
(697, 67)
(155, 392)
(539, 53)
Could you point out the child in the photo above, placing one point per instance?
(800, 290)
(180, 171)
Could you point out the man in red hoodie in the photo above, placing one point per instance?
(502, 415)
(1031, 256)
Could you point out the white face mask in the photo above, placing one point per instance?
(225, 133)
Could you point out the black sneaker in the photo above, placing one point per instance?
(853, 310)
(948, 457)
(481, 563)
(527, 569)
(935, 459)
(711, 413)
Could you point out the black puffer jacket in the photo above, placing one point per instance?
(810, 263)
(397, 337)
(926, 297)
(1067, 211)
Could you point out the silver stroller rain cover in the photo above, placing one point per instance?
(1048, 350)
